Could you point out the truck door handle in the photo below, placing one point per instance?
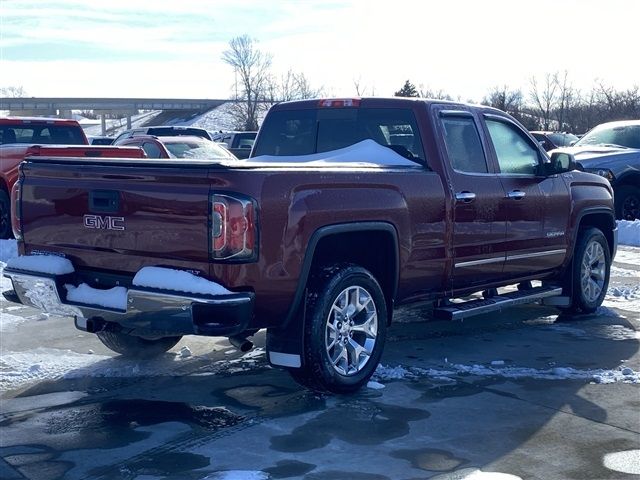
(516, 194)
(465, 196)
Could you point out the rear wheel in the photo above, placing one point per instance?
(133, 346)
(5, 215)
(345, 330)
(589, 273)
(627, 202)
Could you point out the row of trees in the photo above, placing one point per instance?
(552, 103)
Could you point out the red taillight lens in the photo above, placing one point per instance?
(339, 102)
(233, 228)
(16, 211)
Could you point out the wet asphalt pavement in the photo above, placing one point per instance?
(524, 392)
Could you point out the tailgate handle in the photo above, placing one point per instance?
(104, 201)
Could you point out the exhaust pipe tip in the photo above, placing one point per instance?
(241, 343)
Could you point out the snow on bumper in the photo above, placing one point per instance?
(216, 312)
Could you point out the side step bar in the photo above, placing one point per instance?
(458, 311)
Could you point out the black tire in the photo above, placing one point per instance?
(5, 216)
(627, 202)
(136, 347)
(327, 288)
(587, 281)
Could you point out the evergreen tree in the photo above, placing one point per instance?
(408, 90)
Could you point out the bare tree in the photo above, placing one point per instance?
(544, 96)
(292, 86)
(432, 93)
(362, 89)
(565, 98)
(251, 67)
(13, 92)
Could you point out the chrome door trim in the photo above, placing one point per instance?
(484, 261)
(562, 251)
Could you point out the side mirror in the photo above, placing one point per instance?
(562, 162)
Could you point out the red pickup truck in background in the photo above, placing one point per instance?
(346, 208)
(24, 137)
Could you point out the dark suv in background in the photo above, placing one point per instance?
(163, 131)
(551, 140)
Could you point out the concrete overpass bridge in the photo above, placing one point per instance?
(62, 107)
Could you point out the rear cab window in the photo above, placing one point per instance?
(41, 134)
(309, 131)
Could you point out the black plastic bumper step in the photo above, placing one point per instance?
(458, 311)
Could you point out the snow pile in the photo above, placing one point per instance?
(8, 250)
(115, 297)
(474, 474)
(619, 375)
(623, 297)
(372, 384)
(50, 264)
(9, 322)
(366, 153)
(178, 280)
(629, 233)
(630, 255)
(627, 461)
(20, 368)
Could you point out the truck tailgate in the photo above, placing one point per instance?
(117, 215)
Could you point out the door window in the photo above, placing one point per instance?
(463, 145)
(514, 151)
(152, 150)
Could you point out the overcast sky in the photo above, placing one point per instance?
(172, 48)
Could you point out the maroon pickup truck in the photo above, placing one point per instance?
(346, 208)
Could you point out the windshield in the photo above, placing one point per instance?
(198, 150)
(613, 135)
(562, 139)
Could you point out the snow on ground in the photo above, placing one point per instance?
(220, 118)
(623, 297)
(620, 375)
(115, 126)
(628, 255)
(629, 233)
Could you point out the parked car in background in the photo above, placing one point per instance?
(612, 150)
(163, 131)
(238, 143)
(17, 135)
(551, 140)
(179, 147)
(100, 140)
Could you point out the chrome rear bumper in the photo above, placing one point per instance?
(147, 309)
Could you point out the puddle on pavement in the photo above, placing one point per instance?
(431, 459)
(289, 469)
(359, 422)
(339, 474)
(160, 464)
(113, 423)
(271, 400)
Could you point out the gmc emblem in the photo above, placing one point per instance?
(103, 223)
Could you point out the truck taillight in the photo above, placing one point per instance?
(16, 211)
(233, 228)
